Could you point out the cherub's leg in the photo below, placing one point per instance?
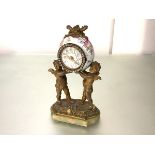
(89, 98)
(84, 96)
(58, 90)
(88, 95)
(67, 93)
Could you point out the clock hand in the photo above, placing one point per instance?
(77, 63)
(79, 59)
(72, 59)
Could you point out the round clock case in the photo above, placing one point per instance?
(82, 47)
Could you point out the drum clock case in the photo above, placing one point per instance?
(79, 43)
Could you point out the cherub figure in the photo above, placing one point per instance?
(61, 81)
(76, 31)
(89, 78)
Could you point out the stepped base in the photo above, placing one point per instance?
(75, 112)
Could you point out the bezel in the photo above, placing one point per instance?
(77, 48)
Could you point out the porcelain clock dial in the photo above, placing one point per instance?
(71, 57)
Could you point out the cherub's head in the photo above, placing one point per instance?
(95, 67)
(57, 65)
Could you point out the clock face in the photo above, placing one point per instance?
(72, 57)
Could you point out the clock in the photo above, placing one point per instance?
(75, 53)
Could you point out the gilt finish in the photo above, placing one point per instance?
(72, 58)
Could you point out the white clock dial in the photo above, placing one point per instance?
(82, 46)
(71, 57)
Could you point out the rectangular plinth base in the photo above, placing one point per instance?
(75, 120)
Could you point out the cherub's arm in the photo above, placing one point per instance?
(52, 71)
(82, 74)
(85, 74)
(57, 73)
(97, 78)
(62, 73)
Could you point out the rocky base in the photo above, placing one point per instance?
(75, 112)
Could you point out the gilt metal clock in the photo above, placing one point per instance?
(75, 54)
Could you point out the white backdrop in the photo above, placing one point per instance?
(38, 26)
(134, 36)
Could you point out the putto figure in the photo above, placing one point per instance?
(61, 81)
(89, 78)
